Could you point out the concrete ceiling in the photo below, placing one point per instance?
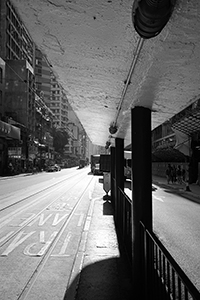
(92, 46)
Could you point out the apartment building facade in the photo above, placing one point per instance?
(32, 102)
(21, 107)
(17, 51)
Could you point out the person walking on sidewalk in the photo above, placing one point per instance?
(169, 173)
(183, 174)
(179, 175)
(187, 179)
(174, 174)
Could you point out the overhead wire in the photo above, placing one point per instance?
(132, 67)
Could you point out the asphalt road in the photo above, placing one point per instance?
(42, 221)
(175, 219)
(176, 223)
(25, 181)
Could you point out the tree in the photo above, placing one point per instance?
(60, 139)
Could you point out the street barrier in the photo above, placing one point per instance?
(162, 277)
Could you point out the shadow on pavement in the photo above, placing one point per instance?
(107, 208)
(101, 280)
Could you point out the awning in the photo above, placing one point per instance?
(187, 121)
(9, 131)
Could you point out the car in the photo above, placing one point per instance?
(54, 168)
(57, 167)
(96, 170)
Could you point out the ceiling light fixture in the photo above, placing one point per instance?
(150, 16)
(113, 128)
(108, 143)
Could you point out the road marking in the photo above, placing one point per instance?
(56, 219)
(80, 221)
(16, 242)
(47, 244)
(64, 246)
(6, 236)
(42, 237)
(157, 198)
(41, 218)
(44, 249)
(87, 223)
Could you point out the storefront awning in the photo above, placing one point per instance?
(187, 122)
(9, 131)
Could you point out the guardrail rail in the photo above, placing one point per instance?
(162, 276)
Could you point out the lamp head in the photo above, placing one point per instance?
(150, 16)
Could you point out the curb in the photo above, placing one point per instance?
(186, 194)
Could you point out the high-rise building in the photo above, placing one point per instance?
(42, 77)
(58, 104)
(17, 109)
(2, 86)
(19, 93)
(15, 41)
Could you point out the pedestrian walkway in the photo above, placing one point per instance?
(105, 274)
(181, 189)
(16, 176)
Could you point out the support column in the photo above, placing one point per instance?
(141, 187)
(112, 153)
(119, 171)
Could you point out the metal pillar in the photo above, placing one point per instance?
(112, 153)
(141, 187)
(119, 172)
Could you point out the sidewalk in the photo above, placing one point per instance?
(16, 176)
(105, 273)
(180, 189)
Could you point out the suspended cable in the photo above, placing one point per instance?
(132, 67)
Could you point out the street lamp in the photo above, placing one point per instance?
(150, 16)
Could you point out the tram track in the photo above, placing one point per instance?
(36, 193)
(44, 255)
(28, 206)
(35, 275)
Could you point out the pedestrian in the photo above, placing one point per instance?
(10, 168)
(169, 173)
(183, 174)
(179, 175)
(173, 171)
(187, 179)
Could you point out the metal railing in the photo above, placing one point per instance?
(124, 221)
(162, 276)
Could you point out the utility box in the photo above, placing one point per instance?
(106, 182)
(105, 163)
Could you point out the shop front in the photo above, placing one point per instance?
(8, 134)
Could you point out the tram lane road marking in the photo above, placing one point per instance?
(42, 251)
(42, 219)
(18, 240)
(80, 221)
(6, 237)
(5, 220)
(63, 249)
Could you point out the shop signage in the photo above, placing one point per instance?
(10, 131)
(15, 152)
